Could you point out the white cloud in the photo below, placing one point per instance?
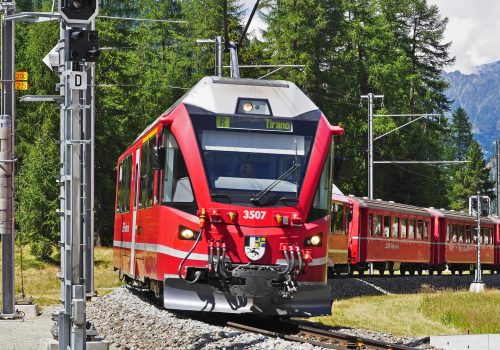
(474, 29)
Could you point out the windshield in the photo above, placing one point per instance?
(244, 156)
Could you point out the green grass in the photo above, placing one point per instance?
(424, 314)
(42, 283)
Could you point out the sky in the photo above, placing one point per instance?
(473, 29)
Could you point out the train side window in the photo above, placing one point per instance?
(454, 231)
(370, 225)
(147, 174)
(395, 227)
(387, 226)
(420, 229)
(377, 225)
(426, 230)
(486, 236)
(411, 229)
(448, 233)
(338, 218)
(461, 233)
(404, 222)
(176, 184)
(119, 202)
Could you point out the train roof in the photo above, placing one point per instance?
(405, 208)
(220, 95)
(379, 204)
(463, 216)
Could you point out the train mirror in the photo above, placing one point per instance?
(158, 157)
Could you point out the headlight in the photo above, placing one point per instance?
(313, 241)
(186, 233)
(247, 107)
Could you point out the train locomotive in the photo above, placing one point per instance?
(392, 236)
(223, 202)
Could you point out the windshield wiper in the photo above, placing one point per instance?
(257, 197)
(221, 195)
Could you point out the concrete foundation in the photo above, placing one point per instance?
(52, 344)
(29, 311)
(467, 342)
(476, 287)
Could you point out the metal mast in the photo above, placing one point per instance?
(7, 115)
(370, 97)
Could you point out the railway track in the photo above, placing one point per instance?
(296, 332)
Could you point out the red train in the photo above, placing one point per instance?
(393, 236)
(223, 203)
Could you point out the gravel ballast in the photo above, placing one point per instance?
(131, 322)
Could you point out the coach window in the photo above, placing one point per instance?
(147, 174)
(460, 233)
(404, 222)
(177, 190)
(395, 227)
(411, 229)
(387, 226)
(338, 218)
(426, 230)
(377, 225)
(454, 233)
(420, 229)
(467, 233)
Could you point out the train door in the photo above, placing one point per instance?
(123, 216)
(135, 207)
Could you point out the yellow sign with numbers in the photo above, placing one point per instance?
(21, 85)
(22, 76)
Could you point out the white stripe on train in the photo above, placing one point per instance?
(163, 249)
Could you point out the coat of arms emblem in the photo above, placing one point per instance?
(255, 247)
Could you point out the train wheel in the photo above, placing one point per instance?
(431, 272)
(402, 272)
(361, 272)
(412, 272)
(440, 272)
(381, 272)
(391, 272)
(460, 272)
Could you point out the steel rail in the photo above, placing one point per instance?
(321, 337)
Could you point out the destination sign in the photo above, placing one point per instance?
(269, 124)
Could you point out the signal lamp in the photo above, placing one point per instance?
(232, 215)
(186, 234)
(296, 220)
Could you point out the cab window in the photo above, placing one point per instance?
(176, 184)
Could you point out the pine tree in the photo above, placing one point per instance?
(460, 134)
(470, 179)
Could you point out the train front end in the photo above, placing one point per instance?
(260, 165)
(243, 193)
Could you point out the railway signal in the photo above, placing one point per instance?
(479, 204)
(78, 12)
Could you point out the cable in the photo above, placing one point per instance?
(179, 270)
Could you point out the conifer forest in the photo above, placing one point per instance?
(348, 48)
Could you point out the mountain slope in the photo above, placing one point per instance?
(479, 95)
